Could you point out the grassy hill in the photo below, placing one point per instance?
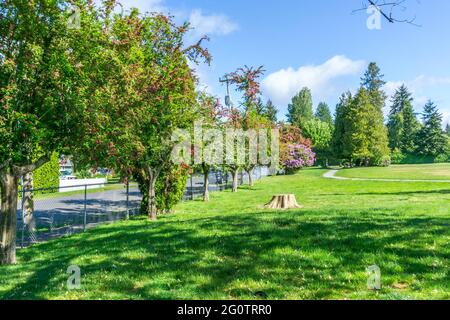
(232, 248)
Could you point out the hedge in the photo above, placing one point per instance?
(47, 176)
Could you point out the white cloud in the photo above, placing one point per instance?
(203, 72)
(446, 117)
(211, 24)
(282, 85)
(418, 84)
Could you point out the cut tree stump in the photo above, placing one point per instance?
(283, 202)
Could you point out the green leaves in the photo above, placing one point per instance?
(39, 81)
(431, 139)
(301, 108)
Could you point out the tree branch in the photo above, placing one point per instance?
(386, 9)
(5, 164)
(22, 170)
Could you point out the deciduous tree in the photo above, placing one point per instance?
(42, 94)
(320, 133)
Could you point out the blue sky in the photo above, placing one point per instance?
(320, 44)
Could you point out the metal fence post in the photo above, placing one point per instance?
(128, 200)
(23, 214)
(192, 187)
(85, 208)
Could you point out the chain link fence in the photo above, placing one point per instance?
(45, 214)
(220, 181)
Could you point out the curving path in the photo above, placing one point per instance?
(332, 175)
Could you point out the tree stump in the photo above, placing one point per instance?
(283, 202)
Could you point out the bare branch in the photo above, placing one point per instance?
(389, 10)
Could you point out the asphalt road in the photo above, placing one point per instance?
(100, 206)
(105, 206)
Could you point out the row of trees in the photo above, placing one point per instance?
(110, 91)
(409, 136)
(359, 134)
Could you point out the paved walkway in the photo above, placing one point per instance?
(332, 175)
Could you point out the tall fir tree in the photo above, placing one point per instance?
(300, 110)
(447, 129)
(411, 127)
(356, 139)
(373, 78)
(271, 111)
(372, 82)
(260, 107)
(341, 127)
(323, 113)
(430, 138)
(403, 124)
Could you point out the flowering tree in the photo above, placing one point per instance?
(149, 94)
(299, 156)
(246, 80)
(249, 119)
(296, 151)
(42, 93)
(212, 115)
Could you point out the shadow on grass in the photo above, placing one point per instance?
(305, 254)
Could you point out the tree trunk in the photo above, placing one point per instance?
(152, 210)
(234, 173)
(250, 177)
(205, 184)
(28, 201)
(8, 218)
(283, 202)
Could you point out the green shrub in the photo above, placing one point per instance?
(397, 157)
(445, 157)
(384, 161)
(47, 176)
(170, 188)
(83, 174)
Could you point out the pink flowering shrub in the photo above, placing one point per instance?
(298, 157)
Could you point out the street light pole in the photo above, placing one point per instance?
(227, 80)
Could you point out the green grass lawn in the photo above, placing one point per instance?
(406, 172)
(232, 248)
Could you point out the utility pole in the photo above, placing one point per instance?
(227, 80)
